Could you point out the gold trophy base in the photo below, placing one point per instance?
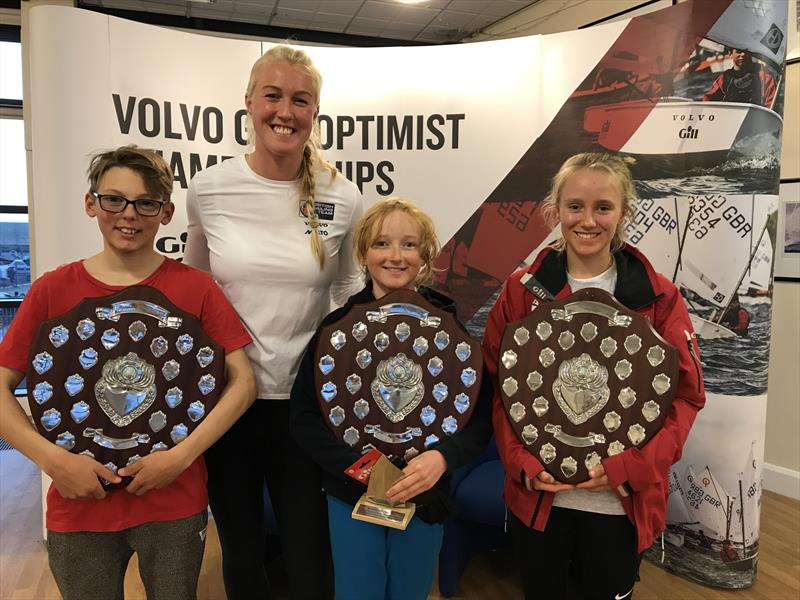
(396, 517)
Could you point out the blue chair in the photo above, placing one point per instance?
(479, 522)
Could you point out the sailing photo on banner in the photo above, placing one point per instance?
(691, 95)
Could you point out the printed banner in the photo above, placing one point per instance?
(473, 133)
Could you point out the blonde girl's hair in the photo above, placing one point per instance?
(369, 228)
(312, 157)
(605, 163)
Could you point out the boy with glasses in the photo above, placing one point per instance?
(152, 502)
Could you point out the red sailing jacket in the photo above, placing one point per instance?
(645, 471)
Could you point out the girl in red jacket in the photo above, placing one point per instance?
(596, 530)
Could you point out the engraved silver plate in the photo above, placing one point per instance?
(350, 436)
(110, 338)
(328, 391)
(178, 433)
(633, 343)
(66, 440)
(661, 383)
(569, 466)
(398, 387)
(427, 415)
(206, 384)
(517, 411)
(170, 369)
(540, 406)
(521, 336)
(364, 358)
(543, 330)
(534, 380)
(581, 388)
(127, 388)
(612, 421)
(547, 357)
(159, 447)
(88, 358)
(381, 342)
(338, 339)
(461, 402)
(592, 460)
(566, 340)
(326, 364)
(359, 331)
(85, 329)
(431, 440)
(74, 384)
(547, 453)
(623, 369)
(50, 419)
(441, 339)
(79, 412)
(420, 346)
(137, 330)
(510, 386)
(59, 336)
(608, 346)
(353, 383)
(588, 331)
(449, 425)
(42, 362)
(650, 411)
(196, 411)
(435, 366)
(615, 447)
(530, 434)
(157, 421)
(205, 356)
(627, 397)
(159, 347)
(655, 355)
(133, 460)
(361, 408)
(410, 453)
(463, 351)
(636, 434)
(509, 359)
(402, 332)
(469, 377)
(336, 416)
(173, 397)
(42, 392)
(440, 392)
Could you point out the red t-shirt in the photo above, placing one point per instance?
(59, 291)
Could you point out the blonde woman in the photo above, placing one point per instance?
(274, 228)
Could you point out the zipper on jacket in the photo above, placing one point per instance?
(695, 360)
(536, 509)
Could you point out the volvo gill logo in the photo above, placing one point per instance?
(688, 133)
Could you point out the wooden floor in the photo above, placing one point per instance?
(24, 574)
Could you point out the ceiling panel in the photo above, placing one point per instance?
(432, 21)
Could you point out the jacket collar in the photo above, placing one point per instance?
(636, 282)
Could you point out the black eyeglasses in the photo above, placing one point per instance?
(117, 204)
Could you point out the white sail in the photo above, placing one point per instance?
(759, 27)
(751, 499)
(706, 501)
(676, 504)
(758, 277)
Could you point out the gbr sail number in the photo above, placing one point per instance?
(706, 211)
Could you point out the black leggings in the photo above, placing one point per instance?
(594, 555)
(256, 449)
